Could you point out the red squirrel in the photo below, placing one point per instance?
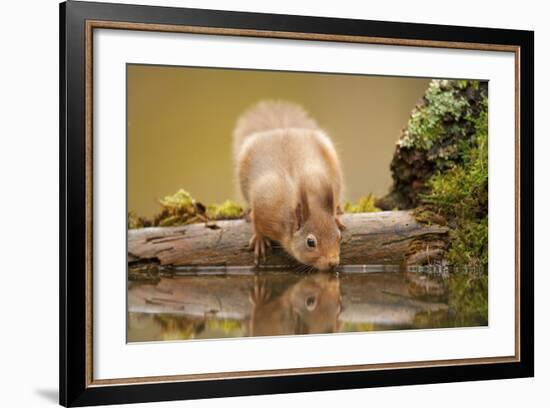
(289, 173)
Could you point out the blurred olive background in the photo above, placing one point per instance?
(180, 123)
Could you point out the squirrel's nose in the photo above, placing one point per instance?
(333, 263)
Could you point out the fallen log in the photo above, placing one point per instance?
(389, 237)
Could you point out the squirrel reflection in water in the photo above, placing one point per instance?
(312, 305)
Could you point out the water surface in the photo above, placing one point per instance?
(218, 303)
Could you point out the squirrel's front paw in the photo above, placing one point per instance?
(259, 245)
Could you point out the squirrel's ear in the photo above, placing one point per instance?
(328, 200)
(298, 215)
(339, 223)
(302, 214)
(302, 210)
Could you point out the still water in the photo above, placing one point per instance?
(204, 304)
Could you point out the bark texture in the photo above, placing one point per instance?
(393, 237)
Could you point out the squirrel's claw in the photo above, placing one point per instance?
(260, 293)
(259, 245)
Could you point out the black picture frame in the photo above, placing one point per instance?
(75, 388)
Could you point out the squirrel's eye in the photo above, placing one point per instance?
(311, 302)
(311, 242)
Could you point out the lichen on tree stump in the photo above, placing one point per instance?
(440, 130)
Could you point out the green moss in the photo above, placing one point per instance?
(179, 209)
(461, 194)
(134, 221)
(358, 327)
(227, 210)
(469, 243)
(181, 200)
(443, 103)
(427, 215)
(182, 209)
(226, 326)
(177, 327)
(466, 294)
(441, 164)
(468, 299)
(365, 204)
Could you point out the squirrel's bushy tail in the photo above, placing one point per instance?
(269, 115)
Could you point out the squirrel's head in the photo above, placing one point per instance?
(317, 302)
(317, 232)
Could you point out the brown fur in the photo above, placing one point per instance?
(290, 175)
(312, 305)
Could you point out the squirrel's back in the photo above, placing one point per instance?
(270, 115)
(279, 139)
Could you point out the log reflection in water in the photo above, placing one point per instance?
(281, 303)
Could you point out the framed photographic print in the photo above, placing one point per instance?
(256, 203)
